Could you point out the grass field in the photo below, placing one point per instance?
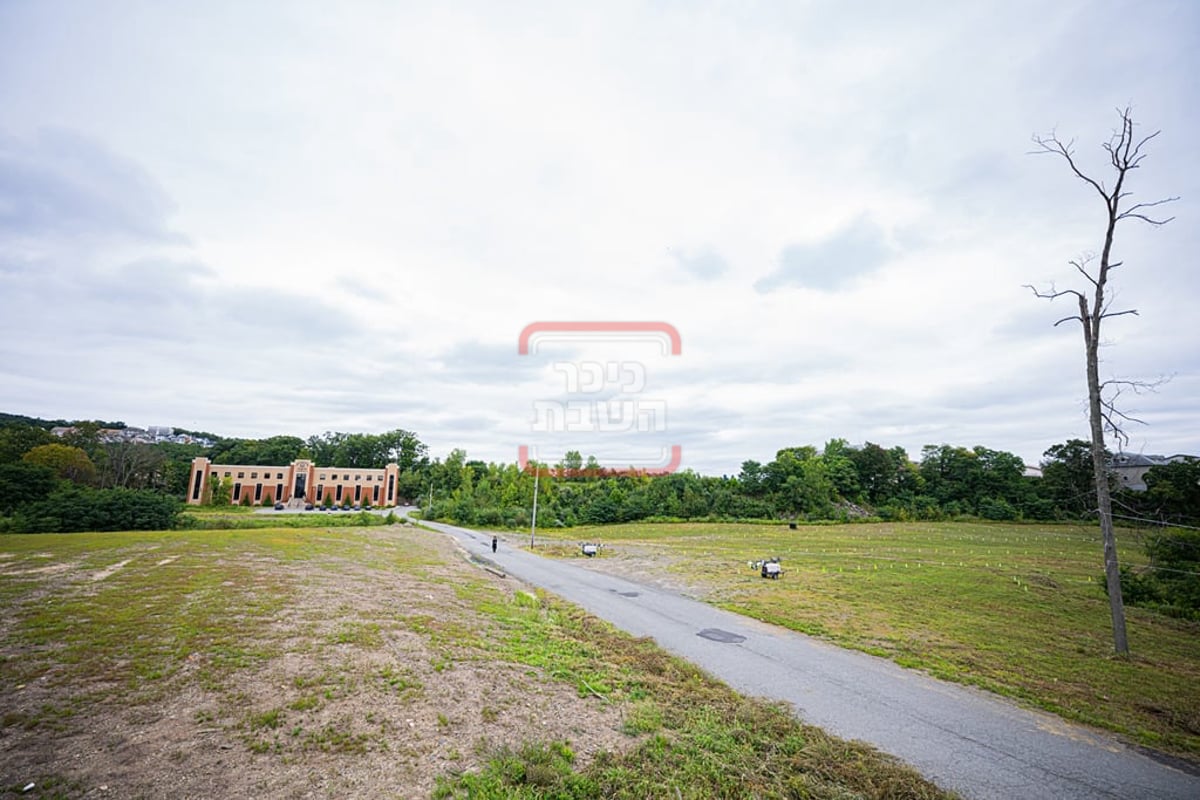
(250, 518)
(367, 662)
(1016, 609)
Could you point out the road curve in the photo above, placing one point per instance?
(975, 743)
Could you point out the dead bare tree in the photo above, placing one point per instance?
(1125, 155)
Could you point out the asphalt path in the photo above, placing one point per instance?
(972, 742)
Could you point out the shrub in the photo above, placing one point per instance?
(1171, 584)
(73, 508)
(997, 508)
(22, 483)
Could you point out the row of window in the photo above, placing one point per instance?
(279, 476)
(258, 492)
(337, 492)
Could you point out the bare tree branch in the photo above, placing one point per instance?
(1164, 201)
(1137, 387)
(1081, 267)
(1051, 144)
(1144, 218)
(1052, 294)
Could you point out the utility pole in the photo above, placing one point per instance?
(533, 528)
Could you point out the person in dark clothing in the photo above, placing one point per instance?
(493, 544)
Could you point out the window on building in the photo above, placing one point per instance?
(358, 477)
(357, 493)
(375, 495)
(279, 493)
(335, 477)
(278, 476)
(257, 491)
(237, 492)
(241, 474)
(320, 492)
(253, 475)
(226, 474)
(338, 496)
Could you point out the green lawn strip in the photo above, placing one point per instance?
(696, 737)
(1016, 609)
(246, 518)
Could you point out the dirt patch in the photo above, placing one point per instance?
(49, 569)
(109, 571)
(375, 686)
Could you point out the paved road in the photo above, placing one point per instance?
(972, 742)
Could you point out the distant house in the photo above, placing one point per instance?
(1131, 468)
(151, 435)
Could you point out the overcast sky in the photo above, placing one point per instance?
(259, 218)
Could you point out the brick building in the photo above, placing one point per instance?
(298, 483)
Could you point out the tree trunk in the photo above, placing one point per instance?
(1112, 570)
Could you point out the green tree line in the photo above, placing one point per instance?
(838, 481)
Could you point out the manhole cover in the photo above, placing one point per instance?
(625, 594)
(718, 635)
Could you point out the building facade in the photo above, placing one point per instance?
(300, 482)
(1131, 468)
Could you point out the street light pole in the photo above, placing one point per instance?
(533, 528)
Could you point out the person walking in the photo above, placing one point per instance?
(493, 544)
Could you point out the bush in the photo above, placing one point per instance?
(1171, 584)
(1039, 509)
(22, 483)
(997, 508)
(73, 508)
(489, 517)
